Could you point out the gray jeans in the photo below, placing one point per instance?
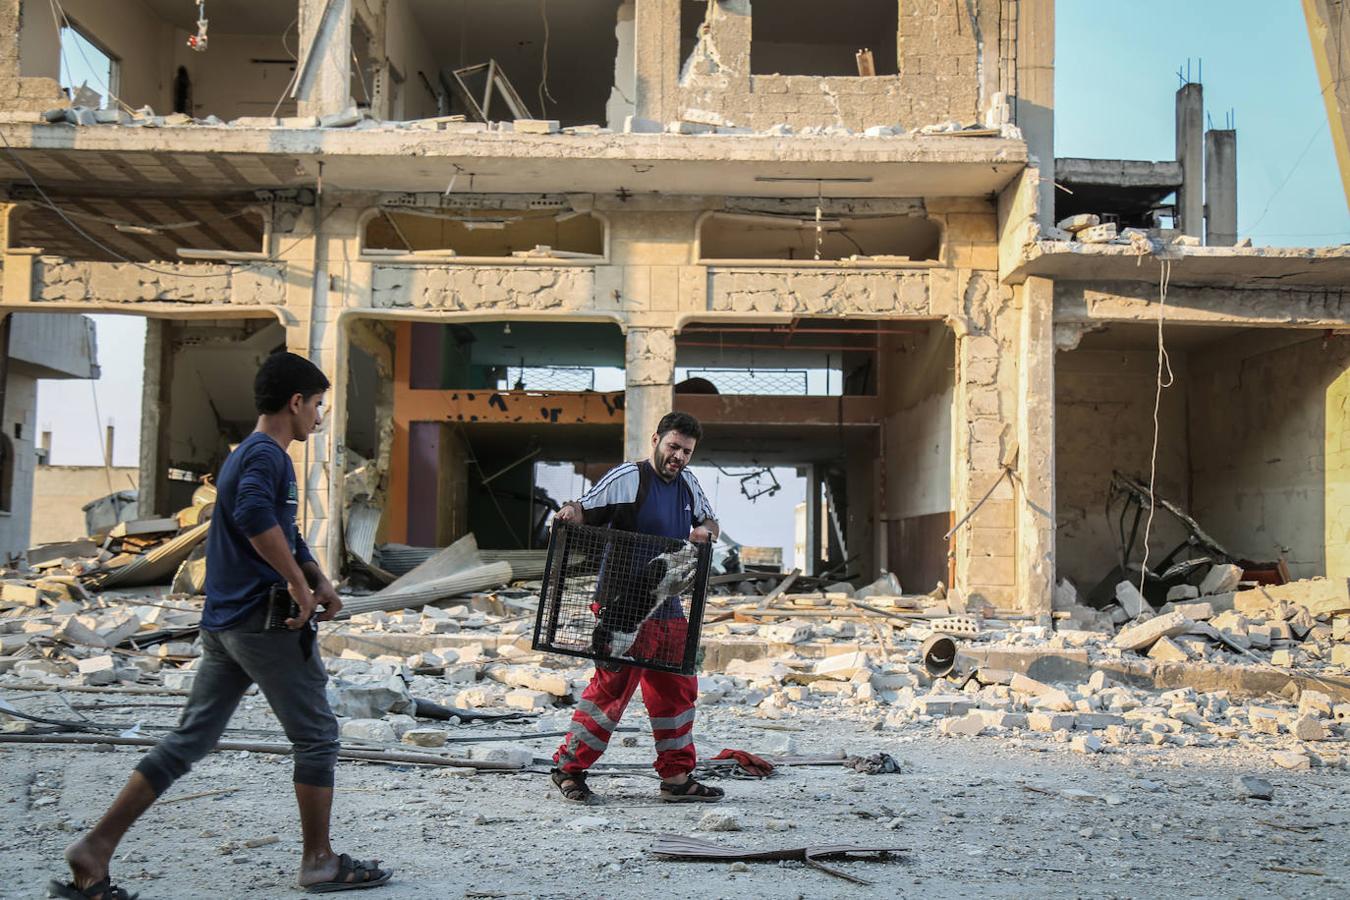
(293, 685)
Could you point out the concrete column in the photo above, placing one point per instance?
(1221, 187)
(649, 387)
(657, 56)
(1036, 447)
(325, 83)
(1331, 55)
(622, 94)
(1191, 155)
(1034, 101)
(153, 481)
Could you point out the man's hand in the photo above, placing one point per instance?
(326, 597)
(304, 598)
(569, 513)
(700, 535)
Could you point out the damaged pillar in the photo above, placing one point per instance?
(314, 303)
(620, 105)
(649, 387)
(1034, 103)
(323, 85)
(657, 58)
(1220, 187)
(153, 480)
(1036, 446)
(1191, 155)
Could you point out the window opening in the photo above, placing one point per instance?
(89, 74)
(806, 37)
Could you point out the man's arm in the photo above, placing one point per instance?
(602, 502)
(325, 595)
(255, 511)
(706, 527)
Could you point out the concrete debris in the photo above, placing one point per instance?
(1220, 579)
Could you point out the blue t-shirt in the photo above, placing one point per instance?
(667, 510)
(255, 491)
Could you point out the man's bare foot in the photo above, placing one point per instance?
(88, 862)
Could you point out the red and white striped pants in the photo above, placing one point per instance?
(669, 699)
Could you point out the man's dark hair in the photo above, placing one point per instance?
(684, 423)
(283, 375)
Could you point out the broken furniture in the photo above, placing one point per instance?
(1201, 552)
(494, 81)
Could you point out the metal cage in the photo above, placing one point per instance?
(620, 597)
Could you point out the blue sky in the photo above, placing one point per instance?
(1116, 66)
(1116, 79)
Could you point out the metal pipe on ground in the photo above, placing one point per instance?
(417, 594)
(938, 654)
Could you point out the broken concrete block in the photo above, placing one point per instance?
(785, 633)
(969, 725)
(1086, 743)
(943, 705)
(1049, 722)
(524, 698)
(344, 119)
(1077, 223)
(1340, 655)
(1118, 734)
(512, 754)
(635, 125)
(1144, 634)
(424, 737)
(1097, 234)
(1314, 703)
(1094, 721)
(1250, 787)
(1178, 592)
(1197, 612)
(369, 697)
(1309, 728)
(98, 670)
(537, 126)
(376, 730)
(1291, 759)
(844, 666)
(1130, 600)
(254, 122)
(1055, 700)
(1021, 684)
(180, 679)
(1220, 579)
(1166, 650)
(1282, 657)
(1320, 596)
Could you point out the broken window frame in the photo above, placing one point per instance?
(880, 261)
(448, 256)
(112, 98)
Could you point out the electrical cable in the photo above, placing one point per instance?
(543, 64)
(295, 73)
(1164, 360)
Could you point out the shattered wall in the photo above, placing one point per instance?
(1268, 426)
(252, 284)
(948, 62)
(483, 287)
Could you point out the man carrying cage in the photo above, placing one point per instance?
(656, 496)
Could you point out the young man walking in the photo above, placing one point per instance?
(254, 554)
(657, 496)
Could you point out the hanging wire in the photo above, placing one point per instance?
(1164, 363)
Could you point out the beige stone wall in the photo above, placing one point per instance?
(949, 68)
(60, 493)
(249, 284)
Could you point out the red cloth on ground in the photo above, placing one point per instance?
(749, 763)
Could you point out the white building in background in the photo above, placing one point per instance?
(39, 346)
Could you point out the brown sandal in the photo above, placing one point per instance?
(690, 792)
(572, 785)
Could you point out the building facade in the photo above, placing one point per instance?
(455, 208)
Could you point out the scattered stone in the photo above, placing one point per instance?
(1166, 650)
(1179, 592)
(1291, 759)
(1220, 578)
(1086, 743)
(1252, 787)
(726, 819)
(1144, 634)
(424, 737)
(374, 730)
(1130, 600)
(1309, 728)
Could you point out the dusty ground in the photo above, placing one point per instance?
(1158, 822)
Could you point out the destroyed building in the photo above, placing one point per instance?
(515, 234)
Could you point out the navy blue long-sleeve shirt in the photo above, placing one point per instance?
(255, 491)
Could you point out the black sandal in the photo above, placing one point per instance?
(353, 875)
(99, 890)
(572, 785)
(691, 792)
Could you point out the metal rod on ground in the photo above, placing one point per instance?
(780, 590)
(385, 756)
(478, 578)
